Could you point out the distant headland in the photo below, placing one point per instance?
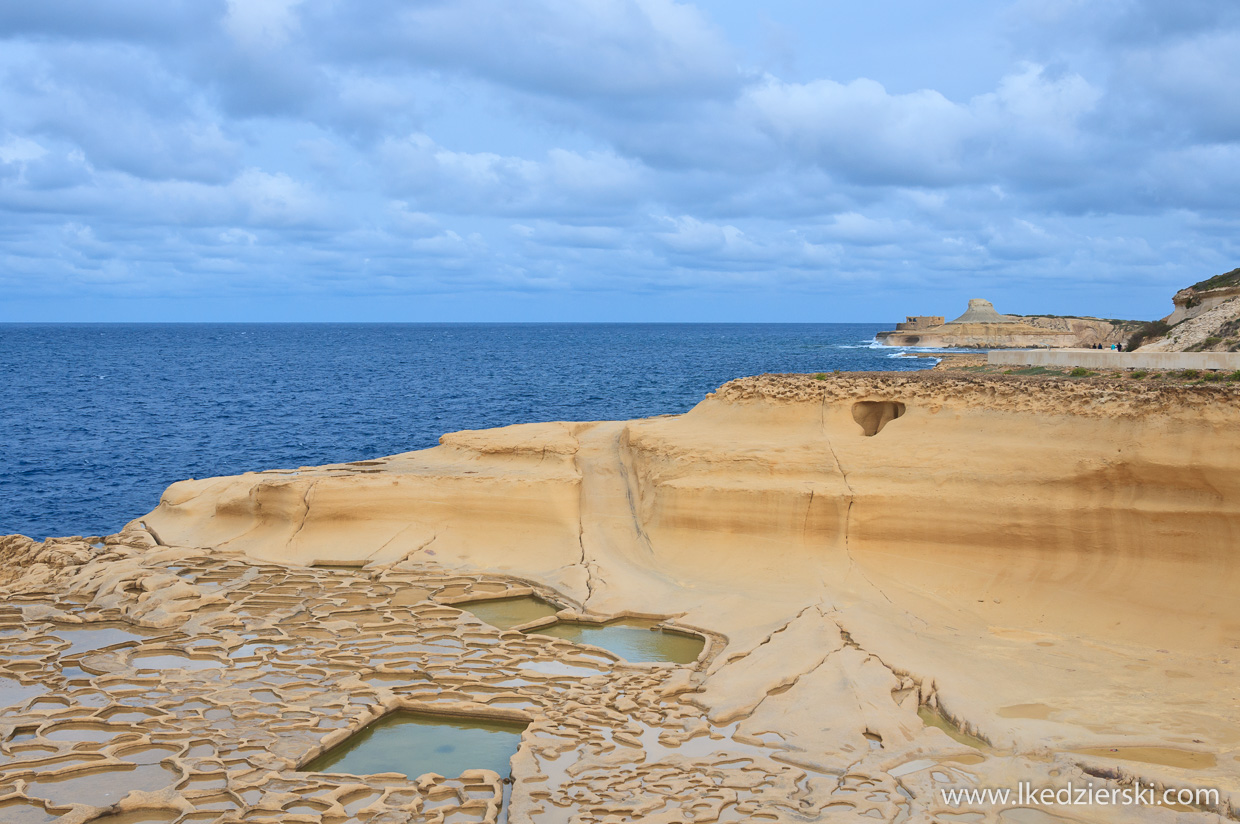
(1206, 318)
(982, 327)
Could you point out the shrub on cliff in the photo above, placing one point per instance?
(1153, 329)
(1231, 278)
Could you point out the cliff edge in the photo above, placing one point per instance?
(1053, 561)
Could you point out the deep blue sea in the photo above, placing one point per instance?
(97, 419)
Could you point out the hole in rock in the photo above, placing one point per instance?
(506, 613)
(416, 743)
(632, 640)
(872, 416)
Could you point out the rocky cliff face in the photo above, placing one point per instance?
(1009, 542)
(1047, 564)
(1026, 331)
(1206, 318)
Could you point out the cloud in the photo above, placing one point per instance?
(321, 147)
(261, 23)
(578, 48)
(438, 178)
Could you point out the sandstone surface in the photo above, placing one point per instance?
(908, 581)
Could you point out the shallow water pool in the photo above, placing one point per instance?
(506, 613)
(631, 640)
(415, 743)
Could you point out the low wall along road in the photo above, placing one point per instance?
(1105, 359)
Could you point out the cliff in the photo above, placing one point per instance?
(981, 327)
(1062, 545)
(905, 582)
(1206, 318)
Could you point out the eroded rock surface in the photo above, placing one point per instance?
(1004, 582)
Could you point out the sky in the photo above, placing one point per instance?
(613, 160)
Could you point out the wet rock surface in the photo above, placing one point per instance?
(155, 684)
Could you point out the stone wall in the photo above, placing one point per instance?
(1105, 359)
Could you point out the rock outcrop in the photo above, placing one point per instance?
(1046, 569)
(981, 327)
(1206, 318)
(973, 511)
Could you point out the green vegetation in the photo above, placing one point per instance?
(1231, 278)
(1153, 329)
(1234, 376)
(1081, 372)
(1033, 370)
(1202, 345)
(820, 377)
(1138, 374)
(1213, 377)
(1188, 374)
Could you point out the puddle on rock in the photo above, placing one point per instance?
(506, 613)
(87, 637)
(84, 732)
(1164, 756)
(171, 661)
(557, 668)
(932, 718)
(16, 811)
(14, 692)
(414, 744)
(100, 787)
(139, 817)
(1038, 712)
(636, 641)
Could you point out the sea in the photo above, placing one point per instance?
(96, 420)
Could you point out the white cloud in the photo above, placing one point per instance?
(261, 23)
(594, 144)
(20, 150)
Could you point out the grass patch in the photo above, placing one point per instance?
(1188, 374)
(1213, 377)
(1033, 370)
(820, 376)
(1234, 376)
(1137, 374)
(1231, 278)
(1081, 372)
(1211, 341)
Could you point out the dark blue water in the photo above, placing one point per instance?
(97, 419)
